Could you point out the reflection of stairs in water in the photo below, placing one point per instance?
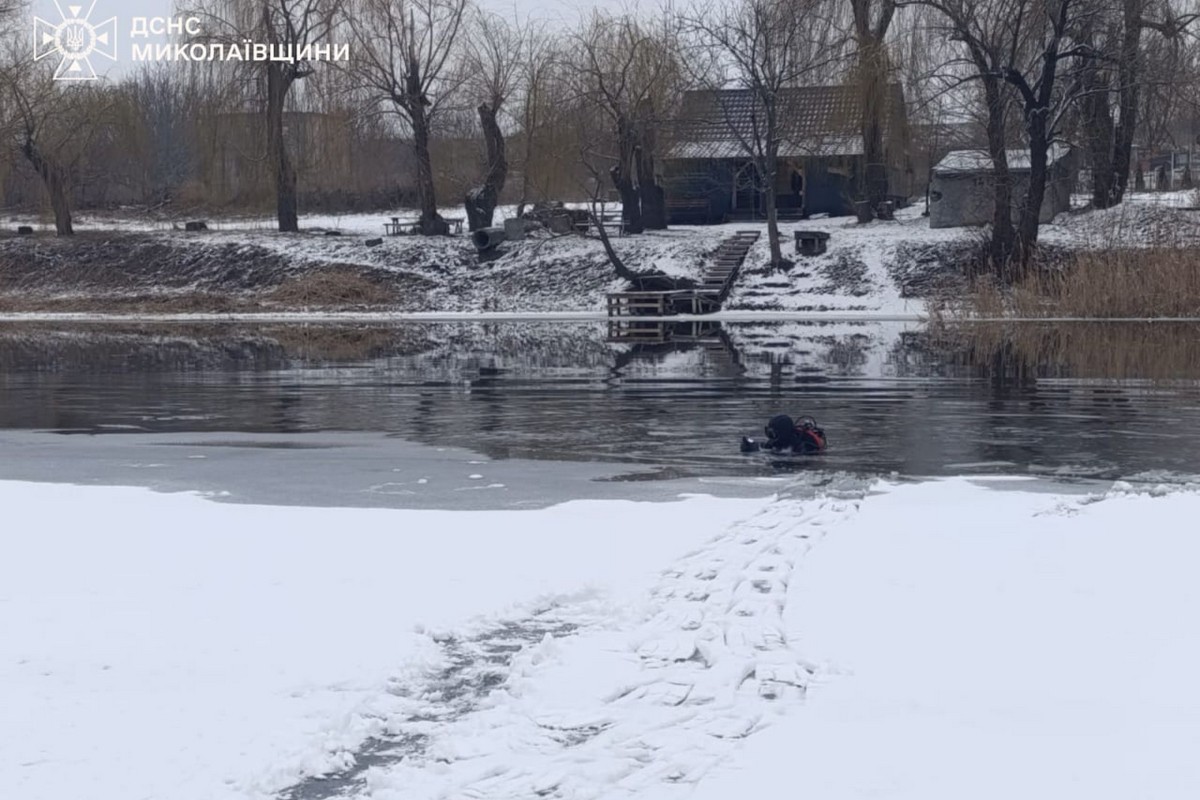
(652, 338)
(657, 331)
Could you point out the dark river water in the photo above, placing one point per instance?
(1088, 400)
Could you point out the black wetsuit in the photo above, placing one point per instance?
(782, 435)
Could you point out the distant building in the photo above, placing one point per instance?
(710, 175)
(962, 190)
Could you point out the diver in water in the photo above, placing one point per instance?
(802, 437)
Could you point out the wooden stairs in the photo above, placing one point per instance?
(718, 278)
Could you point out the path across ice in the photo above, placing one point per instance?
(581, 698)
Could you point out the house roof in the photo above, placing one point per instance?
(972, 161)
(814, 121)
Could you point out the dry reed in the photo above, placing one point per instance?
(1097, 284)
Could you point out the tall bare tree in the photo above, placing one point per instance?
(762, 48)
(627, 70)
(539, 75)
(493, 61)
(51, 123)
(405, 59)
(1023, 52)
(872, 20)
(287, 27)
(1120, 42)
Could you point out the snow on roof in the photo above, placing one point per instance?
(980, 161)
(809, 146)
(814, 121)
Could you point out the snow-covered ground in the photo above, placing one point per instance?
(947, 639)
(884, 268)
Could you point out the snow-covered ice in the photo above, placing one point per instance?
(842, 639)
(167, 646)
(994, 644)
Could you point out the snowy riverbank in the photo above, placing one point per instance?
(132, 265)
(1021, 639)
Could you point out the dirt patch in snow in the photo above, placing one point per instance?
(845, 273)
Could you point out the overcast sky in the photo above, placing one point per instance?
(560, 12)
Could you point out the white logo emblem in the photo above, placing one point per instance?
(76, 39)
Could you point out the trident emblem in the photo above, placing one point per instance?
(76, 39)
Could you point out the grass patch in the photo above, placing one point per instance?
(336, 287)
(136, 303)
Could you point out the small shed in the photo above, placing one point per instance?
(961, 191)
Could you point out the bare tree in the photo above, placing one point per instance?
(761, 47)
(289, 27)
(539, 74)
(1117, 66)
(405, 50)
(1031, 49)
(1034, 70)
(627, 71)
(872, 19)
(493, 64)
(163, 105)
(50, 124)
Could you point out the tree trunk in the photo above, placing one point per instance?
(769, 173)
(278, 85)
(1038, 101)
(631, 212)
(56, 187)
(1128, 76)
(652, 197)
(650, 194)
(431, 223)
(1003, 234)
(777, 260)
(1098, 132)
(1031, 209)
(873, 85)
(481, 201)
(872, 67)
(60, 203)
(623, 272)
(622, 180)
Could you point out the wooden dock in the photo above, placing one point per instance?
(718, 278)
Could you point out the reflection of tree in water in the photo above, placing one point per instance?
(450, 347)
(1077, 394)
(1161, 351)
(891, 399)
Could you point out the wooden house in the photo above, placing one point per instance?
(709, 166)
